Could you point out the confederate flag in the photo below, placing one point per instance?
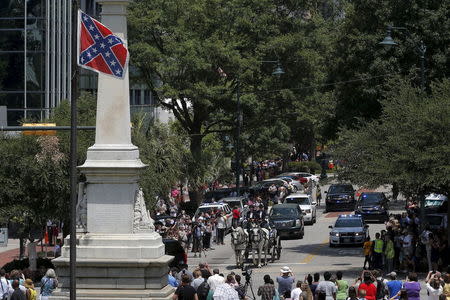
(99, 49)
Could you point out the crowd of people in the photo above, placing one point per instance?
(19, 285)
(405, 246)
(204, 284)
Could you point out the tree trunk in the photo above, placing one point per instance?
(197, 169)
(32, 256)
(21, 248)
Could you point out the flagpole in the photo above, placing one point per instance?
(73, 151)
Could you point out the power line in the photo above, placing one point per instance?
(325, 84)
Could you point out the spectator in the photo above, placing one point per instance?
(352, 293)
(198, 279)
(306, 292)
(226, 290)
(184, 271)
(327, 287)
(342, 286)
(18, 294)
(370, 291)
(204, 269)
(433, 285)
(215, 280)
(48, 284)
(295, 293)
(5, 288)
(394, 286)
(412, 287)
(315, 283)
(185, 291)
(221, 227)
(367, 250)
(389, 253)
(377, 255)
(267, 290)
(31, 292)
(239, 287)
(446, 289)
(171, 280)
(285, 281)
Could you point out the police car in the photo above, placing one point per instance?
(348, 230)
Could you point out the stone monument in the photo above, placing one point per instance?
(119, 256)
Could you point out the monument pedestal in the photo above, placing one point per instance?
(119, 256)
(116, 266)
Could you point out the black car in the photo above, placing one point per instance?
(373, 206)
(174, 248)
(287, 218)
(340, 197)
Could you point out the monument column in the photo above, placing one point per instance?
(119, 256)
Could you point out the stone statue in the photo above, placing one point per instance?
(82, 208)
(142, 221)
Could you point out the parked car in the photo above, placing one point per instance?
(436, 203)
(308, 176)
(207, 207)
(174, 248)
(348, 230)
(373, 206)
(240, 202)
(436, 221)
(307, 205)
(340, 197)
(287, 218)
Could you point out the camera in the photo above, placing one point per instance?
(247, 273)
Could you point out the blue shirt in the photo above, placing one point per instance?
(47, 286)
(394, 286)
(172, 281)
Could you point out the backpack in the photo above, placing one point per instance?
(203, 290)
(380, 290)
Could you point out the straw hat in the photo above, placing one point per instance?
(29, 284)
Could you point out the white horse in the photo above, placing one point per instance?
(259, 241)
(239, 243)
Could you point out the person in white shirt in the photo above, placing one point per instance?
(226, 290)
(295, 294)
(221, 227)
(433, 285)
(5, 287)
(215, 280)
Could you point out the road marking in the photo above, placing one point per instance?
(314, 253)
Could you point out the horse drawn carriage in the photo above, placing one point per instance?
(255, 239)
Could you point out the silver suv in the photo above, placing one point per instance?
(348, 230)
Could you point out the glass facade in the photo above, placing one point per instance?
(34, 57)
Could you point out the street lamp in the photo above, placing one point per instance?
(421, 49)
(278, 71)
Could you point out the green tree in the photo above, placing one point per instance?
(363, 67)
(408, 145)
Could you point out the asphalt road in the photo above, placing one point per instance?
(304, 256)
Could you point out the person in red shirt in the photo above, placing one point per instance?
(367, 285)
(236, 216)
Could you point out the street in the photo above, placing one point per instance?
(304, 256)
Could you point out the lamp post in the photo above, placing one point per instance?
(278, 71)
(421, 49)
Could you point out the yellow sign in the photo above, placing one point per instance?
(39, 132)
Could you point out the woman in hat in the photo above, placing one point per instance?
(48, 284)
(31, 292)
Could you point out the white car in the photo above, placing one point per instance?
(308, 176)
(208, 207)
(306, 203)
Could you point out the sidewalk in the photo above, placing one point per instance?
(9, 252)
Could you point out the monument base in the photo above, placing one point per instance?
(116, 266)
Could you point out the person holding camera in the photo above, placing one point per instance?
(285, 281)
(367, 285)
